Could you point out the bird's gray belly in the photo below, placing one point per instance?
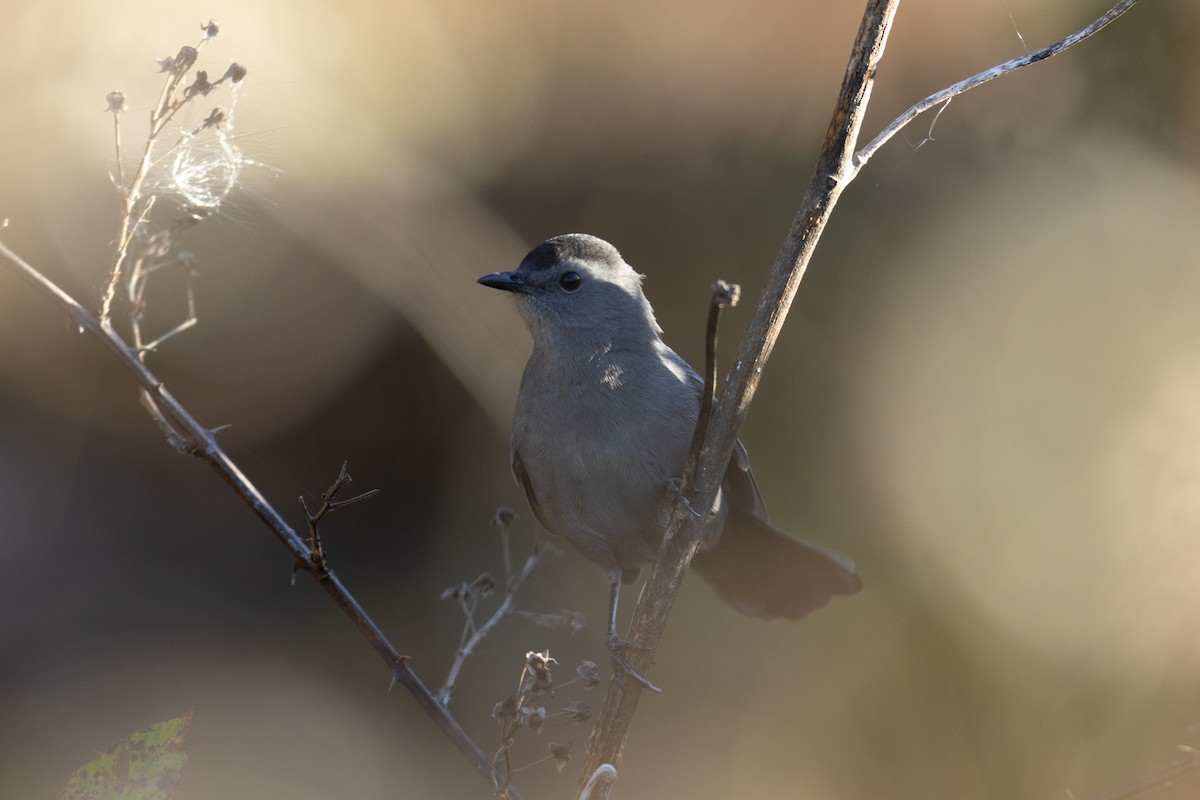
(605, 499)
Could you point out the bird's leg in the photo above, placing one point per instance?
(616, 644)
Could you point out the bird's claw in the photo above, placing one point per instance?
(675, 490)
(622, 667)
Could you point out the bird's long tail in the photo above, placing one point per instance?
(763, 572)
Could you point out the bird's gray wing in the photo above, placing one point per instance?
(522, 476)
(739, 486)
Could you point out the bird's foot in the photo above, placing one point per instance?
(675, 490)
(621, 666)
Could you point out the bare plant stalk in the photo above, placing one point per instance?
(160, 115)
(836, 167)
(950, 92)
(472, 635)
(190, 436)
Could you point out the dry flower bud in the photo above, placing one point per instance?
(183, 60)
(579, 711)
(201, 85)
(189, 262)
(505, 709)
(211, 29)
(236, 73)
(539, 668)
(116, 102)
(590, 674)
(727, 294)
(504, 517)
(215, 118)
(532, 718)
(561, 753)
(539, 660)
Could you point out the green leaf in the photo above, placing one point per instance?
(145, 765)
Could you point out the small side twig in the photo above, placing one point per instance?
(723, 294)
(328, 503)
(946, 95)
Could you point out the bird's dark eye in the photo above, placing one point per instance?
(570, 281)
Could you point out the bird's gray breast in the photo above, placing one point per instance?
(597, 439)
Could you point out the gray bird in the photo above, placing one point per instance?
(602, 428)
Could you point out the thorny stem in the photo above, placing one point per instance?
(197, 440)
(329, 504)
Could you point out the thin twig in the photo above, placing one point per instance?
(723, 294)
(116, 112)
(200, 442)
(328, 504)
(470, 642)
(945, 95)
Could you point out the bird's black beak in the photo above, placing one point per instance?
(507, 281)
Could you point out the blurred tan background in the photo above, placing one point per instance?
(988, 393)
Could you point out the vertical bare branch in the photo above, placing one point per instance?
(834, 170)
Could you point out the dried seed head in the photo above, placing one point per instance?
(539, 670)
(505, 709)
(590, 674)
(116, 102)
(184, 59)
(561, 753)
(236, 73)
(199, 86)
(215, 119)
(211, 29)
(531, 718)
(189, 262)
(504, 517)
(579, 711)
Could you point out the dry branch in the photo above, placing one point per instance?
(200, 442)
(837, 166)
